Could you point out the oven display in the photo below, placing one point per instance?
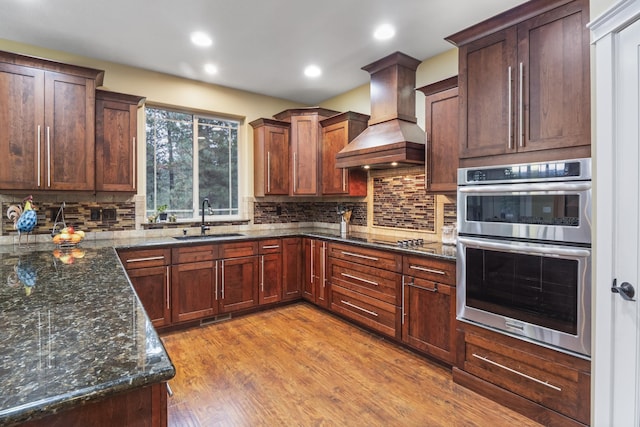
(532, 288)
(545, 209)
(526, 172)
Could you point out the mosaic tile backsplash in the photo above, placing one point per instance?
(90, 216)
(402, 202)
(292, 212)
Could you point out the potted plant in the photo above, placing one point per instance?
(162, 214)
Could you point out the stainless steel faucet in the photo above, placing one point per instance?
(204, 228)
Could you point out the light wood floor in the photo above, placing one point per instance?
(299, 366)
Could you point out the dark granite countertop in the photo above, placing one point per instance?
(432, 249)
(70, 332)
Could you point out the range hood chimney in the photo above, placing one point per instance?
(393, 137)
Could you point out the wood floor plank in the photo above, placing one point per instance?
(300, 366)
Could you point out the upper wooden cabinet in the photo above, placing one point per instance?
(337, 132)
(47, 124)
(305, 148)
(116, 141)
(524, 85)
(441, 126)
(271, 157)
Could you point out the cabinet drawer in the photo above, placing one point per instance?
(199, 253)
(378, 315)
(558, 386)
(365, 256)
(238, 249)
(433, 269)
(141, 258)
(374, 282)
(270, 246)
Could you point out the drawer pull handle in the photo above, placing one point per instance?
(545, 383)
(371, 282)
(373, 313)
(434, 289)
(271, 247)
(372, 258)
(151, 258)
(428, 270)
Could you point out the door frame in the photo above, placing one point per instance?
(605, 31)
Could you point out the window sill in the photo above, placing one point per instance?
(183, 224)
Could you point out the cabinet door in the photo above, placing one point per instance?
(270, 278)
(276, 161)
(152, 286)
(21, 126)
(304, 153)
(319, 274)
(441, 118)
(291, 268)
(428, 318)
(239, 288)
(308, 289)
(194, 290)
(116, 130)
(69, 151)
(334, 138)
(554, 76)
(487, 95)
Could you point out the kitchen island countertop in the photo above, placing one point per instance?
(71, 333)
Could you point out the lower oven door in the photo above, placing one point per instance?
(539, 292)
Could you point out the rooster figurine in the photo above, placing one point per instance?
(24, 220)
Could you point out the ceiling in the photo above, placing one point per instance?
(260, 46)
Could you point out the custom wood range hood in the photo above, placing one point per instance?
(393, 137)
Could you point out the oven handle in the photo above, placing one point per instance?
(537, 249)
(529, 187)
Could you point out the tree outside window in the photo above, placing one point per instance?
(190, 157)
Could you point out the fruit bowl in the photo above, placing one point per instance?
(68, 237)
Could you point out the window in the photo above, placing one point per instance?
(190, 157)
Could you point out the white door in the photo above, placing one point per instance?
(616, 365)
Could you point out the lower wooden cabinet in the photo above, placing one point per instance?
(238, 289)
(429, 307)
(148, 271)
(377, 315)
(194, 294)
(270, 271)
(315, 286)
(152, 286)
(548, 386)
(291, 268)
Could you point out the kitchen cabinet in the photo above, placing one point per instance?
(550, 387)
(47, 129)
(429, 306)
(271, 157)
(524, 85)
(305, 136)
(442, 139)
(194, 278)
(291, 268)
(116, 141)
(270, 271)
(337, 132)
(315, 287)
(365, 286)
(149, 273)
(239, 276)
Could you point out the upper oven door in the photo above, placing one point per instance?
(551, 211)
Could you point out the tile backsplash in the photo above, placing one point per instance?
(293, 212)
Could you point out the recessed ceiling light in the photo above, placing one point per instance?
(384, 32)
(201, 39)
(312, 71)
(210, 69)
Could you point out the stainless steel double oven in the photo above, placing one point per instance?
(524, 251)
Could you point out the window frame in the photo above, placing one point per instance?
(197, 204)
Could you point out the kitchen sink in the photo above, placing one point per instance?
(208, 236)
